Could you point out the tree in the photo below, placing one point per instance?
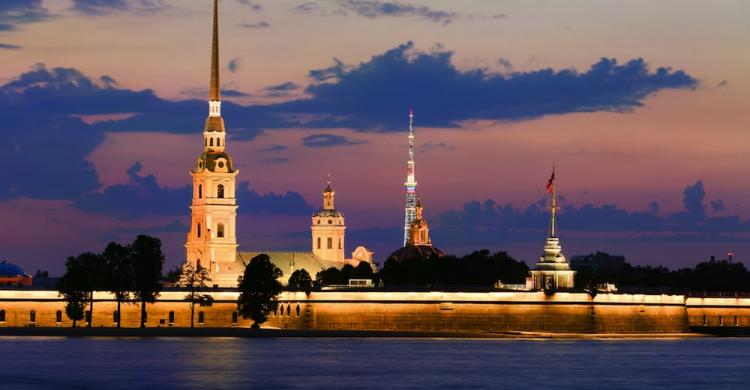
(94, 268)
(72, 286)
(195, 280)
(119, 274)
(300, 281)
(259, 290)
(148, 261)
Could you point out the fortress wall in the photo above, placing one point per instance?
(727, 311)
(419, 311)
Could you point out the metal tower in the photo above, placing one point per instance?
(411, 183)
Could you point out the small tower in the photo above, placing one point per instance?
(552, 271)
(328, 229)
(212, 239)
(411, 182)
(419, 231)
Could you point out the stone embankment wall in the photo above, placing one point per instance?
(404, 311)
(718, 312)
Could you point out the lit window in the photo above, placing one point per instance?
(220, 191)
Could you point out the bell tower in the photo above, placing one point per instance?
(212, 239)
(328, 229)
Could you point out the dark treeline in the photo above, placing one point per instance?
(129, 272)
(480, 268)
(709, 276)
(334, 276)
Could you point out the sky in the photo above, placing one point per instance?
(642, 106)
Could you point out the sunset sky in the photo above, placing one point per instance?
(643, 106)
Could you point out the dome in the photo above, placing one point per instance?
(209, 160)
(8, 269)
(414, 252)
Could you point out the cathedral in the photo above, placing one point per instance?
(212, 240)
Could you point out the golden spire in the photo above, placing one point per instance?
(553, 205)
(215, 94)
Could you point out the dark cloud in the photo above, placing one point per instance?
(274, 160)
(327, 140)
(14, 13)
(142, 195)
(480, 223)
(8, 46)
(332, 72)
(104, 7)
(233, 64)
(257, 25)
(280, 90)
(272, 148)
(428, 146)
(251, 4)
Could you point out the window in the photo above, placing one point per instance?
(297, 310)
(201, 317)
(220, 230)
(220, 191)
(200, 191)
(171, 317)
(318, 242)
(211, 143)
(199, 230)
(87, 316)
(58, 316)
(218, 142)
(330, 242)
(339, 243)
(288, 310)
(234, 318)
(2, 315)
(281, 313)
(115, 316)
(32, 316)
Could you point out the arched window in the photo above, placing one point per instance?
(198, 265)
(211, 143)
(339, 243)
(2, 315)
(32, 316)
(58, 316)
(201, 317)
(297, 310)
(234, 318)
(218, 142)
(318, 242)
(281, 313)
(200, 191)
(330, 242)
(288, 310)
(205, 142)
(171, 317)
(199, 230)
(220, 191)
(220, 230)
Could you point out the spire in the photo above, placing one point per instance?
(215, 94)
(551, 187)
(328, 195)
(411, 183)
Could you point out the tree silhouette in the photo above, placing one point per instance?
(148, 261)
(195, 280)
(259, 290)
(300, 280)
(72, 286)
(119, 274)
(95, 270)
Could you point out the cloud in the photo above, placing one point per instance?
(251, 4)
(333, 72)
(8, 46)
(14, 13)
(233, 64)
(479, 223)
(272, 148)
(257, 25)
(105, 7)
(274, 160)
(722, 83)
(718, 206)
(127, 233)
(282, 89)
(327, 140)
(376, 9)
(142, 195)
(427, 146)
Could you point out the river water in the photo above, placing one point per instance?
(385, 363)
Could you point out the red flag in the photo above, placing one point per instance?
(551, 182)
